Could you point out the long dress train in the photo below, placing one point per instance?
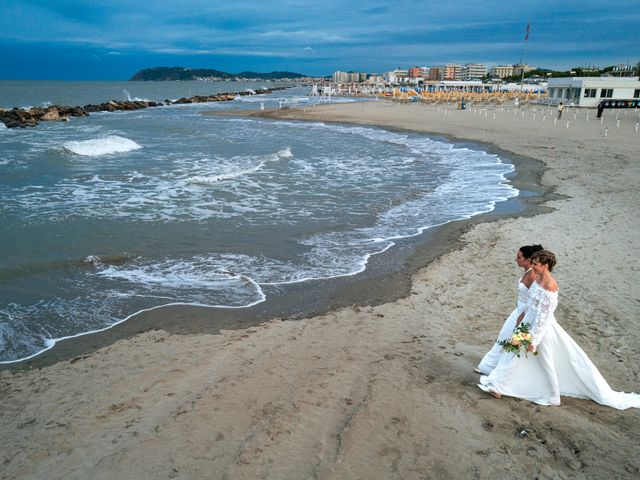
(490, 360)
(560, 368)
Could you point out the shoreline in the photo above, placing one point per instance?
(384, 391)
(381, 282)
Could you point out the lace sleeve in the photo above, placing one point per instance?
(544, 306)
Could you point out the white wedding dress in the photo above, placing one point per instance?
(490, 360)
(560, 368)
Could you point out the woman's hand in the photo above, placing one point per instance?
(520, 317)
(530, 349)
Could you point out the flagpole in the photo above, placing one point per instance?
(524, 61)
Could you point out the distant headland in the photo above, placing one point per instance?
(182, 73)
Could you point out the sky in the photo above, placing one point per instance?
(113, 39)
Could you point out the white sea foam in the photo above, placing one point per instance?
(128, 97)
(101, 146)
(171, 273)
(200, 279)
(213, 179)
(237, 172)
(285, 153)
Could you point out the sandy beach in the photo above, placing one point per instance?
(381, 391)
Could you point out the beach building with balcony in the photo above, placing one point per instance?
(502, 71)
(340, 77)
(624, 71)
(417, 72)
(396, 76)
(474, 71)
(436, 73)
(452, 72)
(590, 91)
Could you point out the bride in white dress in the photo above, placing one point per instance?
(523, 259)
(561, 366)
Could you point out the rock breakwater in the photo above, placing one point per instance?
(30, 117)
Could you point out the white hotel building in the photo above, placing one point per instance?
(474, 71)
(590, 91)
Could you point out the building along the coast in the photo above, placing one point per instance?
(474, 71)
(521, 68)
(590, 91)
(416, 72)
(502, 71)
(452, 72)
(436, 73)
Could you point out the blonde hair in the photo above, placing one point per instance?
(545, 257)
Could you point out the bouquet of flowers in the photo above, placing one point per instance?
(519, 342)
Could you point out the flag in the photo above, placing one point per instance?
(526, 37)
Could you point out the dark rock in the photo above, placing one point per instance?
(78, 112)
(50, 115)
(72, 111)
(17, 117)
(36, 112)
(108, 107)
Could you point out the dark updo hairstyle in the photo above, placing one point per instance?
(545, 257)
(529, 250)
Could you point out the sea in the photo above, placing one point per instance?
(113, 214)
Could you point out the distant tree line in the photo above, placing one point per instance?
(613, 70)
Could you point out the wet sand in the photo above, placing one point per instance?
(382, 389)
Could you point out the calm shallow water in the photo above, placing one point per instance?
(115, 213)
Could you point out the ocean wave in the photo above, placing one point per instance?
(102, 260)
(285, 153)
(213, 179)
(239, 172)
(199, 272)
(129, 98)
(128, 286)
(101, 146)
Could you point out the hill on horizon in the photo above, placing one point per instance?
(183, 73)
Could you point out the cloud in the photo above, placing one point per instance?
(345, 34)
